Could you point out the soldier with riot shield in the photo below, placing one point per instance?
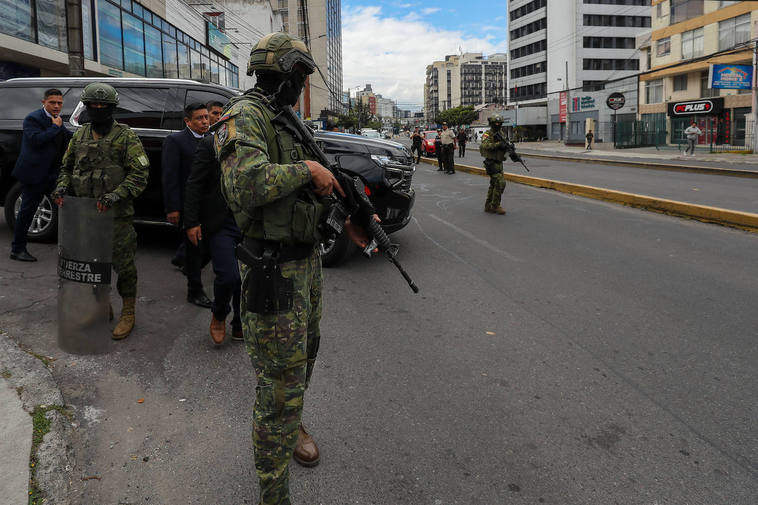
(277, 194)
(105, 161)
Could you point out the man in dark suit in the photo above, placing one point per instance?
(42, 146)
(178, 153)
(210, 225)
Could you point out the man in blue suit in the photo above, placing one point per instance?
(42, 146)
(178, 153)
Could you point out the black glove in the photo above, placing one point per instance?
(59, 192)
(108, 199)
(504, 145)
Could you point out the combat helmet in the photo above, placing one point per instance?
(279, 52)
(99, 92)
(495, 118)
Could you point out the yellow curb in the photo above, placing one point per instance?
(695, 169)
(732, 218)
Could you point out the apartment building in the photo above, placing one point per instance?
(465, 79)
(563, 52)
(208, 41)
(687, 38)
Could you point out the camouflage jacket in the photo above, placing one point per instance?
(263, 176)
(115, 163)
(490, 148)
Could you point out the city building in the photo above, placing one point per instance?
(688, 38)
(319, 24)
(466, 79)
(561, 55)
(208, 41)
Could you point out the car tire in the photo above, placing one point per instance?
(44, 227)
(335, 251)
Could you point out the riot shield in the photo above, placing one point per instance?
(85, 245)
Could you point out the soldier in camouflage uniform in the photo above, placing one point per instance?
(276, 193)
(493, 148)
(105, 160)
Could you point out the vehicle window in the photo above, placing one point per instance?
(196, 95)
(141, 107)
(19, 102)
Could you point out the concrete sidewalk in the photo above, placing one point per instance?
(28, 392)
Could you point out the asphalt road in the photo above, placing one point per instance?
(734, 193)
(572, 352)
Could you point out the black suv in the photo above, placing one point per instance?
(154, 109)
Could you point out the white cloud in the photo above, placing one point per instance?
(429, 10)
(392, 53)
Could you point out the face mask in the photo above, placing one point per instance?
(101, 118)
(290, 90)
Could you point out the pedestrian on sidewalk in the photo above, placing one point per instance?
(448, 144)
(43, 143)
(692, 133)
(589, 138)
(462, 142)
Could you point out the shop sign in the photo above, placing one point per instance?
(218, 41)
(588, 102)
(730, 76)
(696, 107)
(563, 107)
(615, 101)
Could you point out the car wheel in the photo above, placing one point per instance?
(44, 227)
(336, 250)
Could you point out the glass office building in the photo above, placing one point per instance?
(122, 35)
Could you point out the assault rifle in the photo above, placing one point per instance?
(354, 205)
(512, 154)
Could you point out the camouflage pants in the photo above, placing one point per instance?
(495, 192)
(124, 250)
(282, 348)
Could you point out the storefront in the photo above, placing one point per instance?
(723, 121)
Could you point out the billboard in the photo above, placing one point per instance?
(731, 76)
(218, 41)
(563, 111)
(706, 106)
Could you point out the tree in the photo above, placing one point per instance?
(460, 115)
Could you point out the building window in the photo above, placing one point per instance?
(51, 24)
(170, 62)
(134, 45)
(663, 47)
(88, 35)
(109, 24)
(153, 52)
(682, 10)
(692, 44)
(734, 31)
(680, 82)
(654, 91)
(16, 19)
(705, 90)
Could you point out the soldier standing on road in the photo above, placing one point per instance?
(276, 195)
(416, 140)
(105, 160)
(494, 148)
(448, 144)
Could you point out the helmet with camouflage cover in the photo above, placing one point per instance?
(280, 52)
(495, 118)
(99, 92)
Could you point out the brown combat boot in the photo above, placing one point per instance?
(306, 451)
(218, 330)
(499, 210)
(126, 321)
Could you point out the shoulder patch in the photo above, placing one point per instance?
(143, 160)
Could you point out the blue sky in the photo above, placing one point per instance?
(389, 44)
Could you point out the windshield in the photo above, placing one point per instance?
(372, 134)
(430, 135)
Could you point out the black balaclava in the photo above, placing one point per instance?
(287, 91)
(101, 118)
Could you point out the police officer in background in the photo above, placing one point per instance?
(105, 160)
(276, 194)
(493, 148)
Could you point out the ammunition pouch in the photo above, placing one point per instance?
(492, 167)
(268, 291)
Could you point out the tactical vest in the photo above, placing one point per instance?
(294, 218)
(99, 166)
(496, 153)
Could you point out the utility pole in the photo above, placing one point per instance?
(755, 88)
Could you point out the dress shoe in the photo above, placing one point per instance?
(218, 330)
(22, 256)
(306, 451)
(237, 334)
(200, 299)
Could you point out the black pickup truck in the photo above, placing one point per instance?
(154, 109)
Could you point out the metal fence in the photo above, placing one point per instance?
(633, 132)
